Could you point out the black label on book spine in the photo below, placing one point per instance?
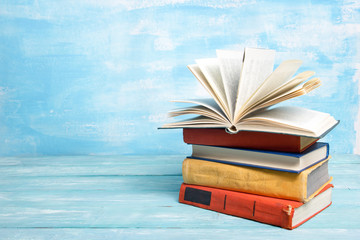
(197, 196)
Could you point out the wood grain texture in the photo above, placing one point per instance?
(136, 197)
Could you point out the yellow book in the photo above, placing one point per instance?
(300, 187)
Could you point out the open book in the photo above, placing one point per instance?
(243, 86)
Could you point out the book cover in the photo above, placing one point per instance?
(278, 184)
(279, 212)
(248, 139)
(282, 161)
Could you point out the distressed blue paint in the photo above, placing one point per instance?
(136, 197)
(96, 77)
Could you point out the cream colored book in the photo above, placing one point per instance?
(243, 87)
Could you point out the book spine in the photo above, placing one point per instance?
(259, 181)
(244, 139)
(237, 204)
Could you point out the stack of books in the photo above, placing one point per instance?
(249, 159)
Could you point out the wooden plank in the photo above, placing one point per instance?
(121, 183)
(136, 197)
(190, 233)
(91, 165)
(177, 234)
(92, 183)
(151, 202)
(124, 165)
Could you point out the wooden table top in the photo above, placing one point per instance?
(136, 197)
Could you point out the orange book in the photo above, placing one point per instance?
(275, 211)
(248, 139)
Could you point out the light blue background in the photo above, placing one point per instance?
(96, 77)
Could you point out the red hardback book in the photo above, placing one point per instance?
(248, 139)
(275, 211)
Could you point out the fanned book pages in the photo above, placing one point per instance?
(243, 87)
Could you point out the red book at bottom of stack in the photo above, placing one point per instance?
(275, 211)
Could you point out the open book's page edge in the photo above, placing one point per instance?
(209, 103)
(294, 117)
(196, 71)
(230, 63)
(210, 68)
(276, 132)
(283, 72)
(297, 91)
(289, 86)
(252, 57)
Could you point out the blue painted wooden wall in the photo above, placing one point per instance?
(96, 77)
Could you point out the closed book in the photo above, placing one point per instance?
(300, 187)
(290, 162)
(248, 139)
(279, 212)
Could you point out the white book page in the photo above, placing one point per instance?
(288, 86)
(295, 117)
(207, 103)
(197, 122)
(194, 68)
(277, 78)
(296, 91)
(257, 66)
(198, 110)
(230, 67)
(211, 70)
